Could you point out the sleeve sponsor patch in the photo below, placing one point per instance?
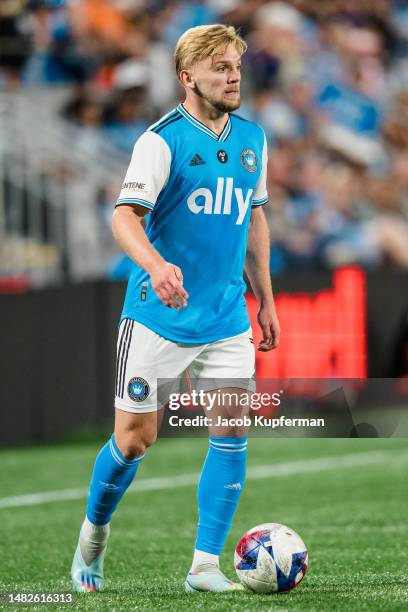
(134, 186)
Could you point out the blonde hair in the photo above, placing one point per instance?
(204, 41)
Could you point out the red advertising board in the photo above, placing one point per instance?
(324, 334)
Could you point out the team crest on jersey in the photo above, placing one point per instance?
(249, 160)
(138, 389)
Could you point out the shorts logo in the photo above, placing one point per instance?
(249, 160)
(138, 389)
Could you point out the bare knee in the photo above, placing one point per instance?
(134, 444)
(134, 437)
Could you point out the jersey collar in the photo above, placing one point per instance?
(200, 126)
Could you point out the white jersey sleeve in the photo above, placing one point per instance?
(148, 172)
(261, 194)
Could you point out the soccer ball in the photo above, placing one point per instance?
(270, 558)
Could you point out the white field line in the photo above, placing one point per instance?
(276, 470)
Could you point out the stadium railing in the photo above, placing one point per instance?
(57, 182)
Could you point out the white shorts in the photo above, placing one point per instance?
(144, 357)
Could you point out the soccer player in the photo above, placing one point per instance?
(200, 174)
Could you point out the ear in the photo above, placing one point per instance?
(187, 79)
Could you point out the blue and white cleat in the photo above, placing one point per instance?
(87, 578)
(209, 578)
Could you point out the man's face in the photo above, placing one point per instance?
(217, 79)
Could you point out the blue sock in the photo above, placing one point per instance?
(112, 474)
(219, 490)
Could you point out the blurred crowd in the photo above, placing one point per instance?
(327, 80)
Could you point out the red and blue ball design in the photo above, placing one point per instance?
(271, 558)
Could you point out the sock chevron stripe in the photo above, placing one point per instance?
(117, 455)
(234, 445)
(241, 446)
(228, 444)
(229, 450)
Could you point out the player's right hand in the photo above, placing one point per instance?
(167, 282)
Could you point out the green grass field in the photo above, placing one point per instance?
(346, 498)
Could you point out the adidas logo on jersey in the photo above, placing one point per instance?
(197, 160)
(222, 205)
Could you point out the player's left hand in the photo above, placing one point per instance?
(269, 324)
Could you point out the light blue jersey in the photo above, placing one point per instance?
(200, 188)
